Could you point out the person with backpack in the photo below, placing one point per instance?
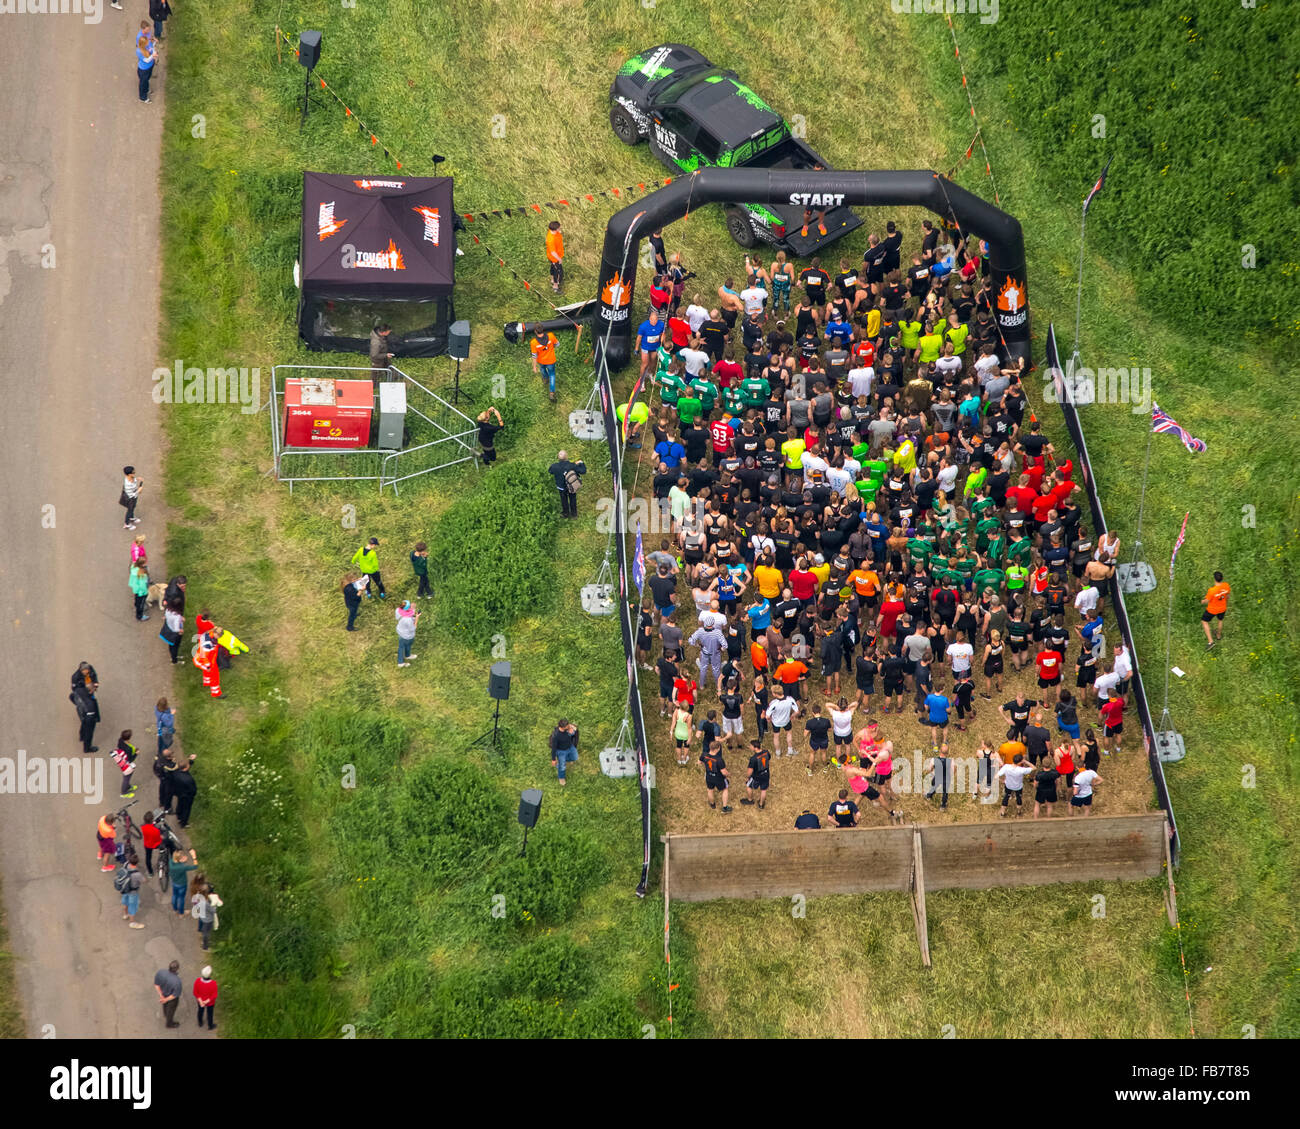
(164, 719)
(124, 754)
(568, 480)
(127, 882)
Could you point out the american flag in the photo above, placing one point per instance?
(1160, 422)
(638, 561)
(1182, 536)
(1097, 187)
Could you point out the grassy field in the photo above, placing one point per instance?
(11, 1016)
(371, 907)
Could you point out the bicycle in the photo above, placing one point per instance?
(126, 829)
(166, 849)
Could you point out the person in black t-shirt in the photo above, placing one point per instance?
(963, 691)
(865, 670)
(818, 727)
(489, 423)
(1016, 713)
(667, 669)
(715, 775)
(1036, 738)
(714, 334)
(807, 821)
(758, 774)
(844, 811)
(732, 702)
(893, 670)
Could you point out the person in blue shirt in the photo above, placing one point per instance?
(648, 335)
(670, 453)
(839, 332)
(146, 55)
(1088, 631)
(760, 615)
(938, 705)
(878, 532)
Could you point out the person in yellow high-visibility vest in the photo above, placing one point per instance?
(555, 253)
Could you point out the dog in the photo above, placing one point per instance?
(155, 596)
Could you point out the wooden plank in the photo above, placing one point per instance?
(961, 856)
(918, 897)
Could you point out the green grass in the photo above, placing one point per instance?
(344, 904)
(11, 1015)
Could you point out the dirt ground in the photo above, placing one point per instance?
(683, 807)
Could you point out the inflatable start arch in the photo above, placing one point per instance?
(612, 318)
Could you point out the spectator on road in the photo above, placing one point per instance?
(106, 835)
(131, 487)
(177, 869)
(159, 11)
(185, 788)
(131, 895)
(204, 904)
(84, 684)
(152, 839)
(138, 582)
(164, 721)
(124, 755)
(205, 996)
(167, 983)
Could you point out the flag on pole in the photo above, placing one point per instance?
(638, 561)
(1097, 187)
(1162, 423)
(1182, 536)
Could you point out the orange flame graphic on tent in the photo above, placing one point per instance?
(395, 260)
(1011, 297)
(615, 292)
(326, 224)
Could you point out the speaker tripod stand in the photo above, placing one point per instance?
(491, 739)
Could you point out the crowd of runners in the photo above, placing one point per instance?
(866, 536)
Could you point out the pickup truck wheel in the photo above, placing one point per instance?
(624, 127)
(739, 227)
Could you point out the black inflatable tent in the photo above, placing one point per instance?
(376, 250)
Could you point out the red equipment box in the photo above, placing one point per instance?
(328, 413)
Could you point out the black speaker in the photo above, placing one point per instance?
(458, 341)
(499, 681)
(530, 806)
(309, 48)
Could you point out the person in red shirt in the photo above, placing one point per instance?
(1042, 506)
(660, 294)
(727, 370)
(679, 331)
(1023, 493)
(1049, 671)
(1039, 578)
(205, 995)
(803, 584)
(890, 610)
(152, 839)
(791, 675)
(721, 434)
(1112, 716)
(1034, 471)
(684, 691)
(864, 354)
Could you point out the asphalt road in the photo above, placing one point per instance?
(79, 162)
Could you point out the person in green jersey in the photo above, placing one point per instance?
(733, 400)
(931, 345)
(689, 407)
(756, 391)
(956, 333)
(706, 391)
(671, 383)
(1017, 578)
(985, 529)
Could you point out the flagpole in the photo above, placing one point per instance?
(1078, 298)
(1137, 575)
(1169, 744)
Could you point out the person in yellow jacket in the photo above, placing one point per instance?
(956, 333)
(555, 253)
(792, 452)
(366, 561)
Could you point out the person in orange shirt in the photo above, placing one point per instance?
(555, 253)
(542, 346)
(758, 657)
(791, 675)
(1216, 606)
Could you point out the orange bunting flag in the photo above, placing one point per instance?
(374, 140)
(565, 203)
(589, 198)
(537, 209)
(616, 192)
(399, 163)
(347, 111)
